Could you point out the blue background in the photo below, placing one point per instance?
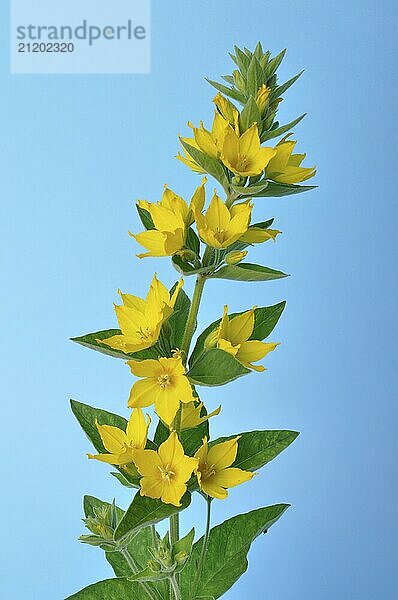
(76, 152)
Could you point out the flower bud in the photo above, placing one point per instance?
(181, 557)
(235, 257)
(154, 566)
(262, 97)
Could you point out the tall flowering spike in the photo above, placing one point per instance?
(233, 336)
(165, 472)
(221, 226)
(285, 167)
(191, 415)
(163, 384)
(214, 471)
(141, 320)
(171, 217)
(120, 444)
(243, 154)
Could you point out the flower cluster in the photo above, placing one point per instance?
(209, 238)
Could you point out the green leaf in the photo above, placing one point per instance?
(209, 164)
(248, 272)
(226, 557)
(275, 62)
(144, 511)
(193, 242)
(227, 91)
(145, 217)
(148, 575)
(268, 135)
(176, 323)
(93, 341)
(215, 367)
(88, 415)
(281, 89)
(255, 76)
(122, 479)
(249, 190)
(111, 589)
(257, 448)
(265, 320)
(249, 115)
(282, 189)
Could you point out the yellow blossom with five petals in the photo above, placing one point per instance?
(171, 218)
(120, 444)
(163, 383)
(141, 320)
(233, 336)
(221, 226)
(165, 472)
(214, 471)
(243, 155)
(285, 167)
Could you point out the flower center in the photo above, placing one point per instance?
(164, 381)
(208, 471)
(144, 334)
(220, 235)
(166, 472)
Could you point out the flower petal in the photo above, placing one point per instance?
(223, 455)
(143, 393)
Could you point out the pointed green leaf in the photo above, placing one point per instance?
(93, 341)
(215, 367)
(255, 76)
(268, 135)
(249, 115)
(144, 511)
(208, 164)
(227, 91)
(257, 448)
(282, 189)
(275, 62)
(145, 217)
(281, 89)
(248, 272)
(111, 589)
(226, 557)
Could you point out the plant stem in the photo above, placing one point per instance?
(204, 546)
(136, 569)
(174, 529)
(193, 313)
(175, 588)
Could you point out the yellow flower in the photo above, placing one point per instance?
(256, 235)
(165, 472)
(227, 111)
(221, 226)
(164, 384)
(262, 97)
(214, 471)
(210, 142)
(141, 320)
(243, 155)
(171, 218)
(233, 336)
(120, 444)
(285, 167)
(187, 159)
(190, 415)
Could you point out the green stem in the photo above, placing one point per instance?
(193, 313)
(136, 569)
(154, 537)
(174, 529)
(175, 588)
(204, 547)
